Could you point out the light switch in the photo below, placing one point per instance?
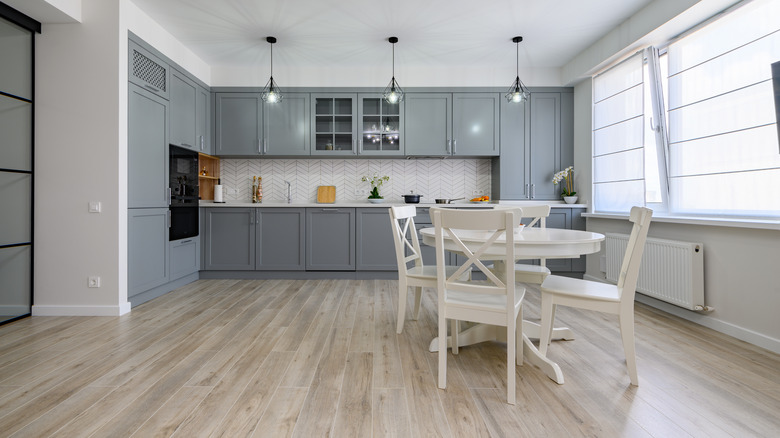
(94, 206)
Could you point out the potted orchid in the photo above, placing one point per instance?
(567, 188)
(376, 182)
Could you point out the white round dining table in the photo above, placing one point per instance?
(530, 243)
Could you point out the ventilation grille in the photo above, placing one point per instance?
(148, 71)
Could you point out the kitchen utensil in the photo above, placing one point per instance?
(412, 198)
(447, 201)
(326, 194)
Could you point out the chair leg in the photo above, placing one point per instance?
(454, 329)
(402, 290)
(442, 350)
(417, 300)
(519, 337)
(511, 358)
(627, 333)
(545, 330)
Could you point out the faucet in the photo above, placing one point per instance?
(289, 192)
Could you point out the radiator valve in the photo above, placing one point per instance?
(700, 308)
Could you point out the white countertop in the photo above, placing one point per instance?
(354, 204)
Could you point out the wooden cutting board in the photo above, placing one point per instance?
(326, 194)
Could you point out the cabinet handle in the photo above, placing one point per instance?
(361, 145)
(168, 213)
(259, 146)
(533, 191)
(187, 145)
(454, 147)
(265, 146)
(168, 195)
(185, 241)
(201, 142)
(330, 209)
(449, 142)
(354, 150)
(527, 191)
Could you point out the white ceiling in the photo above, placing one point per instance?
(344, 33)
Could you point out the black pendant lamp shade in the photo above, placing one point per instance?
(393, 92)
(517, 93)
(271, 92)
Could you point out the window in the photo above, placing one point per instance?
(714, 152)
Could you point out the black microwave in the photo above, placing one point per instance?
(183, 186)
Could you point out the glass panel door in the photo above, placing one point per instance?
(334, 121)
(380, 126)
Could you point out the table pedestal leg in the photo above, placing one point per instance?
(531, 329)
(484, 332)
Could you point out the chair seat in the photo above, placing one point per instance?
(575, 287)
(429, 271)
(483, 301)
(532, 274)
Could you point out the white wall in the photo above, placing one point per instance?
(78, 159)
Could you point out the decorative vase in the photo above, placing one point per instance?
(376, 200)
(570, 199)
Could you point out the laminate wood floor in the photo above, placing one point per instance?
(310, 358)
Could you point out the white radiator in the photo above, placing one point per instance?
(671, 271)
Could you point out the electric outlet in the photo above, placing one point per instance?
(358, 192)
(476, 193)
(93, 281)
(94, 206)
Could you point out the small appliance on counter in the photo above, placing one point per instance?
(183, 189)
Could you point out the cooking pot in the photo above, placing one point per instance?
(412, 198)
(447, 201)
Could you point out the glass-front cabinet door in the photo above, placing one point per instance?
(334, 123)
(379, 126)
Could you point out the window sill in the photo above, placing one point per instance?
(762, 224)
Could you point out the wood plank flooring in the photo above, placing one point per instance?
(310, 358)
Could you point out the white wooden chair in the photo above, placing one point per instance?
(533, 274)
(590, 295)
(496, 300)
(417, 276)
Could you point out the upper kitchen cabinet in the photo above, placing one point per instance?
(286, 126)
(183, 107)
(428, 126)
(380, 126)
(334, 124)
(148, 71)
(147, 142)
(536, 141)
(239, 118)
(203, 121)
(457, 124)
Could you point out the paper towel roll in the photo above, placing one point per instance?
(218, 193)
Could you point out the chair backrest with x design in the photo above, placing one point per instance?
(405, 236)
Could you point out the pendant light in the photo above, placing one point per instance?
(393, 93)
(517, 91)
(271, 92)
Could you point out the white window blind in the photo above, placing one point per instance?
(618, 137)
(723, 146)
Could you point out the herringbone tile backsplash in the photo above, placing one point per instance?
(432, 178)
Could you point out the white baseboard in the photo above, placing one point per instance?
(703, 319)
(41, 310)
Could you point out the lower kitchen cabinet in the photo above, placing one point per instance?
(571, 219)
(375, 245)
(147, 258)
(230, 239)
(184, 257)
(330, 239)
(280, 239)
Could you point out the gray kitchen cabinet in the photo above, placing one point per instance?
(570, 219)
(147, 147)
(184, 257)
(229, 239)
(286, 126)
(452, 124)
(239, 118)
(536, 141)
(475, 124)
(428, 124)
(330, 239)
(280, 242)
(147, 258)
(381, 126)
(203, 121)
(183, 109)
(147, 70)
(334, 124)
(375, 249)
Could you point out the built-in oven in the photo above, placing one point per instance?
(183, 184)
